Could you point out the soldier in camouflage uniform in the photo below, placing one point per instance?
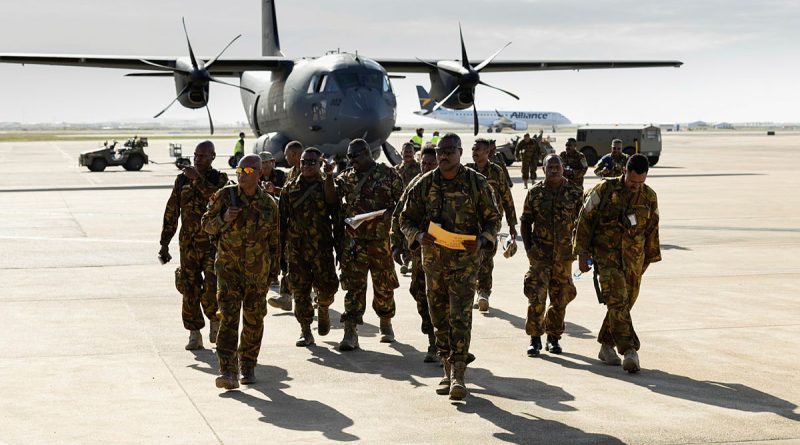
(460, 200)
(417, 288)
(291, 152)
(272, 180)
(618, 230)
(408, 170)
(530, 152)
(495, 159)
(307, 225)
(612, 164)
(245, 220)
(503, 199)
(575, 165)
(195, 278)
(548, 219)
(367, 187)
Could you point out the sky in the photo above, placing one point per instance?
(740, 57)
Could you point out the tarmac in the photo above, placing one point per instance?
(94, 346)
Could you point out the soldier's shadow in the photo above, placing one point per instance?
(527, 428)
(571, 329)
(281, 409)
(404, 367)
(547, 396)
(733, 396)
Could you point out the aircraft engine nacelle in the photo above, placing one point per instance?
(192, 93)
(520, 125)
(443, 83)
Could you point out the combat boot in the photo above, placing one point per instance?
(483, 302)
(284, 301)
(431, 356)
(535, 346)
(444, 385)
(213, 331)
(350, 340)
(458, 390)
(228, 380)
(248, 376)
(195, 341)
(631, 361)
(323, 321)
(306, 337)
(387, 333)
(552, 345)
(608, 356)
(525, 182)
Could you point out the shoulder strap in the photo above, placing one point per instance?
(305, 195)
(357, 189)
(214, 176)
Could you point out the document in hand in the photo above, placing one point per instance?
(357, 220)
(449, 239)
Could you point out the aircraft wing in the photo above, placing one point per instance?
(424, 66)
(220, 67)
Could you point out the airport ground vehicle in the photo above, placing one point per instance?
(507, 150)
(131, 156)
(594, 141)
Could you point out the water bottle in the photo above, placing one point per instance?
(576, 274)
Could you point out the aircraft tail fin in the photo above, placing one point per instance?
(425, 101)
(270, 42)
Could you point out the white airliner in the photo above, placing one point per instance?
(493, 120)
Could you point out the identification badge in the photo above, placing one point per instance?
(632, 219)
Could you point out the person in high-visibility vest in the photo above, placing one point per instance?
(238, 149)
(435, 139)
(417, 138)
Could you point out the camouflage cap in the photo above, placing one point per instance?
(266, 156)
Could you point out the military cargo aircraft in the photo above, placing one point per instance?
(324, 101)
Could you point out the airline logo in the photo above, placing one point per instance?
(424, 101)
(522, 115)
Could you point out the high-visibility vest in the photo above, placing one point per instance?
(434, 140)
(417, 139)
(239, 148)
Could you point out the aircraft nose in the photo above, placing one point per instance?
(366, 113)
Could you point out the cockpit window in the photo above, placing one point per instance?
(368, 78)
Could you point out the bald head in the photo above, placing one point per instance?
(203, 155)
(251, 160)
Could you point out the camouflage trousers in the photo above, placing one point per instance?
(372, 257)
(484, 283)
(548, 277)
(199, 283)
(450, 295)
(245, 299)
(529, 166)
(620, 289)
(417, 290)
(307, 270)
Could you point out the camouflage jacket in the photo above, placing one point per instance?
(575, 164)
(188, 202)
(611, 166)
(551, 214)
(407, 172)
(462, 205)
(396, 235)
(606, 230)
(277, 177)
(249, 244)
(306, 220)
(381, 190)
(293, 173)
(495, 159)
(502, 194)
(528, 149)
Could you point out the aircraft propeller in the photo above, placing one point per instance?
(468, 78)
(198, 75)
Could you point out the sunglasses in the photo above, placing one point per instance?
(308, 162)
(245, 170)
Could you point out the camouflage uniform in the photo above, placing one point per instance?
(307, 227)
(276, 177)
(463, 205)
(502, 197)
(551, 213)
(417, 288)
(620, 251)
(367, 248)
(408, 171)
(188, 202)
(495, 159)
(616, 163)
(293, 173)
(248, 253)
(531, 153)
(575, 166)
